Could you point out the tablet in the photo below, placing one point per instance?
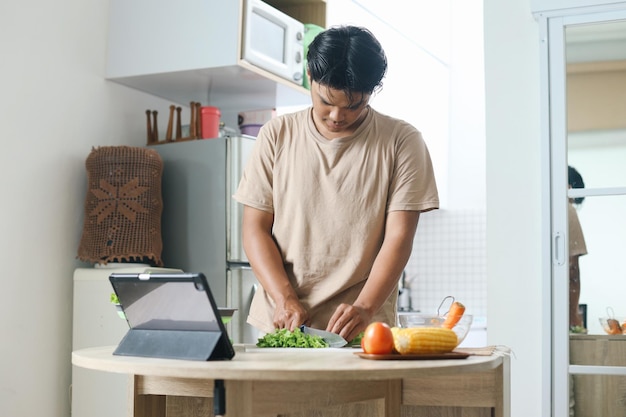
(170, 315)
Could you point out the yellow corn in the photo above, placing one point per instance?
(424, 340)
(394, 331)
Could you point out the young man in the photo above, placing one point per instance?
(332, 197)
(577, 248)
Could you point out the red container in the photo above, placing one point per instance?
(210, 117)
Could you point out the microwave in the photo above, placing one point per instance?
(273, 41)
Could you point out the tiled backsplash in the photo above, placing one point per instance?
(449, 258)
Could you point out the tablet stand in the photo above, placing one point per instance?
(171, 344)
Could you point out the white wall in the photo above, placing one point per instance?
(467, 153)
(417, 86)
(514, 243)
(55, 107)
(435, 82)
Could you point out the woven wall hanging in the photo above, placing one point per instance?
(123, 206)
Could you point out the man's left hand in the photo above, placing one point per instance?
(348, 321)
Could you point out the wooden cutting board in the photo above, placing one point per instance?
(415, 357)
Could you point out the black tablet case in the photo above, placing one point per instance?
(170, 316)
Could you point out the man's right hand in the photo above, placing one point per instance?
(290, 314)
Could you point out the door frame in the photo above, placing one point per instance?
(555, 264)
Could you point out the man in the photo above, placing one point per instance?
(332, 197)
(577, 248)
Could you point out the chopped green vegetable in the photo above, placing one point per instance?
(287, 338)
(356, 342)
(114, 298)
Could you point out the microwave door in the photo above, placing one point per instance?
(239, 149)
(273, 41)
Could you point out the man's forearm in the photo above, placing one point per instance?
(268, 267)
(390, 261)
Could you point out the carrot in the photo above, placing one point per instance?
(614, 326)
(454, 315)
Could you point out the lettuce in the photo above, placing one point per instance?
(285, 338)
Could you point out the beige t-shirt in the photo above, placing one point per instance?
(330, 199)
(577, 246)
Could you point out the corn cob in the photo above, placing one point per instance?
(394, 332)
(425, 340)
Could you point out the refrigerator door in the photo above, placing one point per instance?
(194, 209)
(201, 222)
(239, 149)
(242, 285)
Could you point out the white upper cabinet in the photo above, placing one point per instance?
(190, 50)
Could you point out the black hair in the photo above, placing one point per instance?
(575, 180)
(347, 58)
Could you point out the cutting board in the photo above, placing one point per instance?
(415, 357)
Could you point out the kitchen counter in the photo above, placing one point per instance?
(598, 391)
(271, 382)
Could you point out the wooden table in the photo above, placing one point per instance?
(301, 382)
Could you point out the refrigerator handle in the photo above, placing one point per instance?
(251, 295)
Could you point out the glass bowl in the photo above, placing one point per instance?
(409, 319)
(616, 327)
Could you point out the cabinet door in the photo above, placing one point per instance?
(160, 36)
(584, 40)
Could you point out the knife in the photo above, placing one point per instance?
(333, 339)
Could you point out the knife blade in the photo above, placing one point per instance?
(333, 339)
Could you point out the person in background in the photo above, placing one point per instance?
(577, 248)
(332, 196)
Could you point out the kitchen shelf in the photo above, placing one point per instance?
(226, 86)
(306, 11)
(595, 95)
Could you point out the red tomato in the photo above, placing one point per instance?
(377, 338)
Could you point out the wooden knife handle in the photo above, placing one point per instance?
(170, 124)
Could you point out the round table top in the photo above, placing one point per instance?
(283, 364)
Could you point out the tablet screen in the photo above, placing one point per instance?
(159, 305)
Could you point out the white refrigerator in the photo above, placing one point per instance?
(201, 223)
